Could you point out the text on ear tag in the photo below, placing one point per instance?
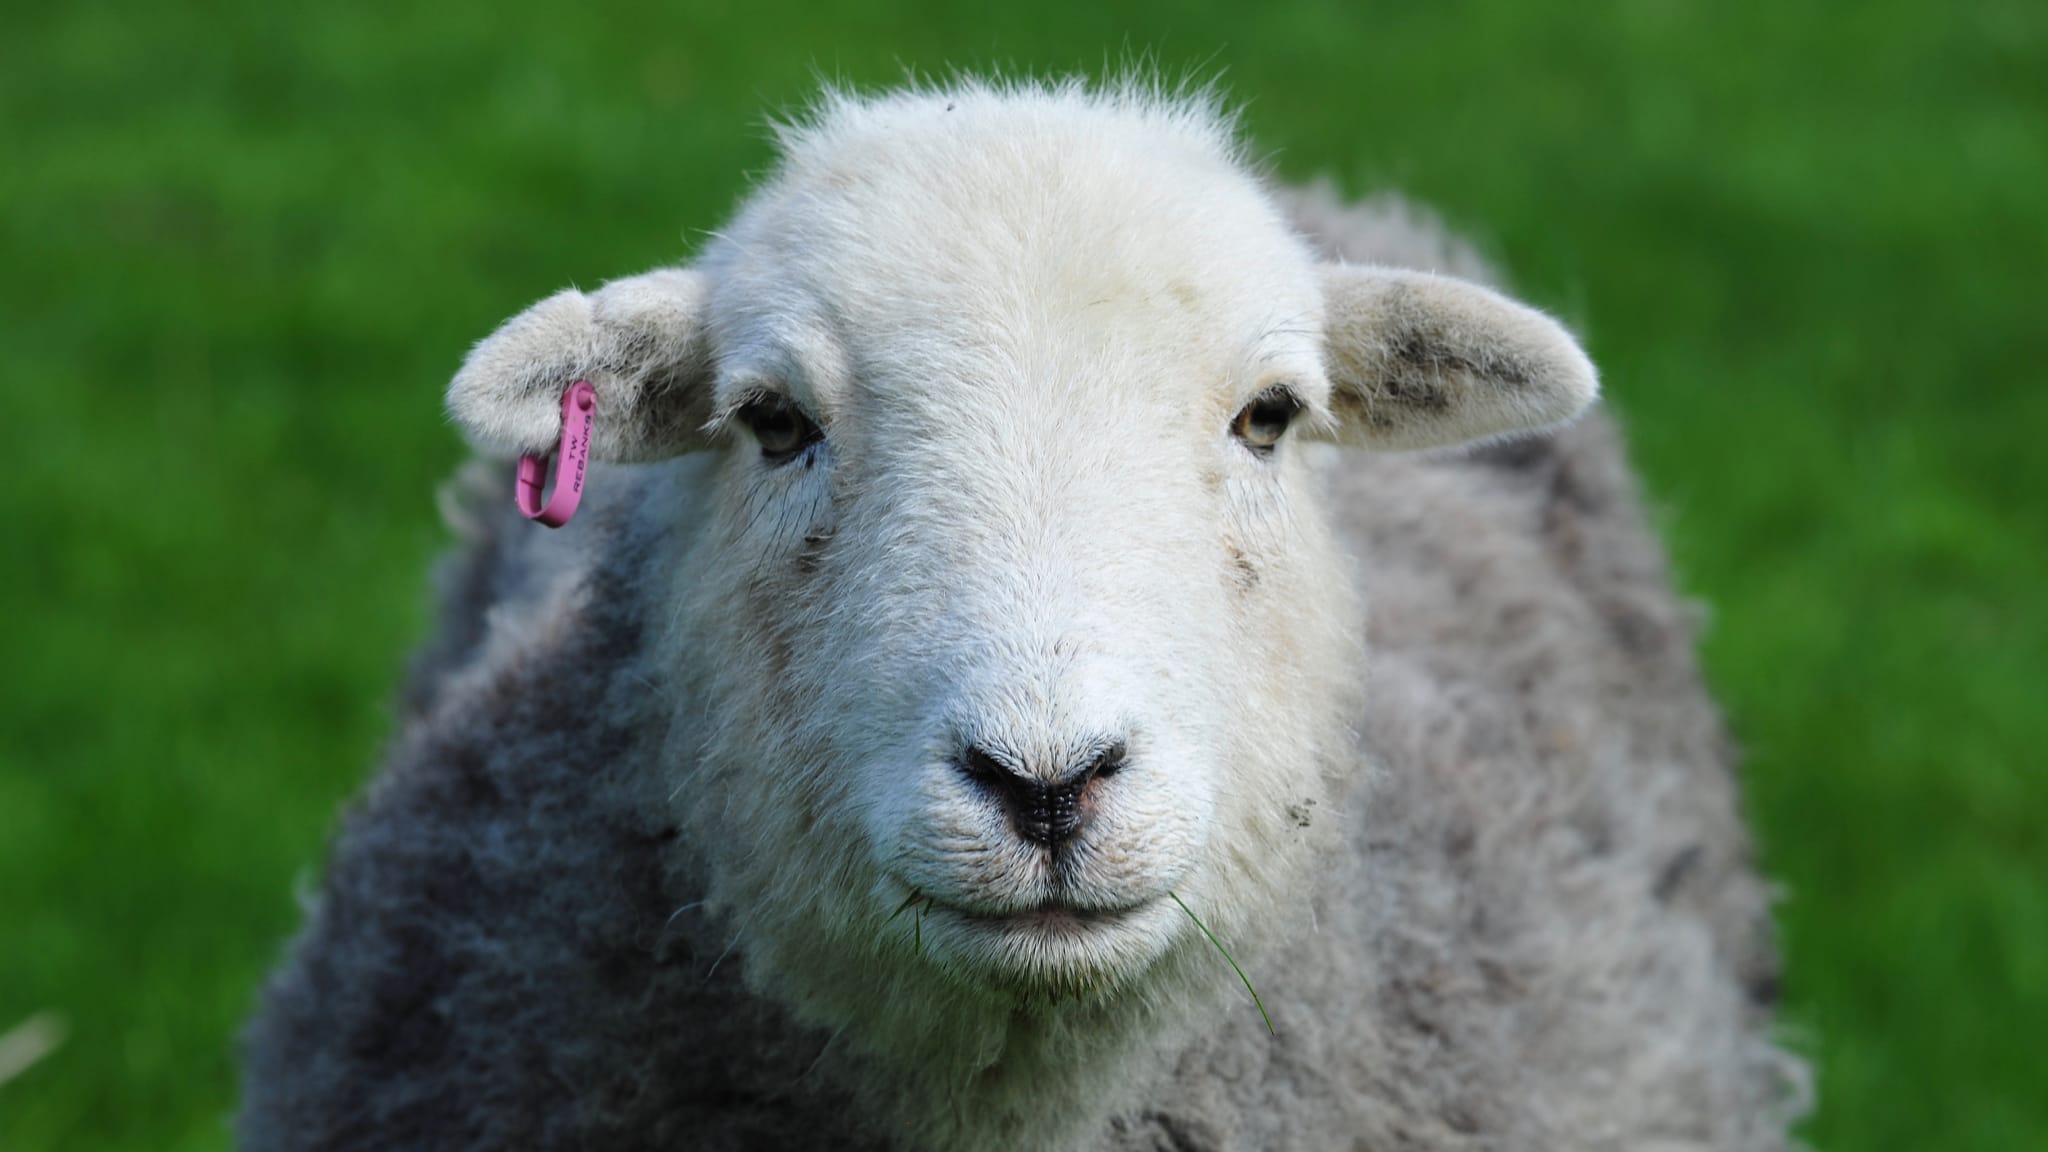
(579, 416)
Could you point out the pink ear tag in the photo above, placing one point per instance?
(579, 414)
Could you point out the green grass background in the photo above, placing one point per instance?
(242, 247)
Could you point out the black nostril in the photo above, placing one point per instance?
(983, 768)
(1041, 812)
(1107, 762)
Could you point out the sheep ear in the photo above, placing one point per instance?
(640, 341)
(1423, 361)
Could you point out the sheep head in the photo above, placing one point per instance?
(1006, 608)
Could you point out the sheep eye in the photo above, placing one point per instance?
(1261, 423)
(780, 426)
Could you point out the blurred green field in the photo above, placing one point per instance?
(243, 249)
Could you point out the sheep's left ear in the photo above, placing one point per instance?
(1423, 361)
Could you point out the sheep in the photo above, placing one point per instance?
(960, 669)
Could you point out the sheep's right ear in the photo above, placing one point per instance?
(640, 341)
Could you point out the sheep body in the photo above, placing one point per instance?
(1534, 921)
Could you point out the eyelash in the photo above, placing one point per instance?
(784, 430)
(1251, 425)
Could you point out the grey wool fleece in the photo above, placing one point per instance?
(1543, 931)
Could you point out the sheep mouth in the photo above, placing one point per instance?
(1050, 952)
(1051, 916)
(1052, 923)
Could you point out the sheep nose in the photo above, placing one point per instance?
(1047, 813)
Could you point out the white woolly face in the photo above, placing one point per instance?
(1017, 619)
(1007, 621)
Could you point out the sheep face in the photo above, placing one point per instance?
(1009, 601)
(1007, 617)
